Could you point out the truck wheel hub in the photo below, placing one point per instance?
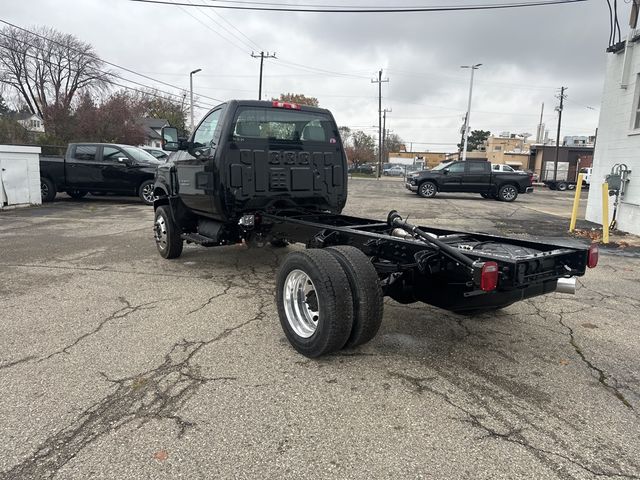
(301, 304)
(509, 193)
(147, 193)
(160, 232)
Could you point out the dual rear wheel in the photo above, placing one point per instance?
(328, 299)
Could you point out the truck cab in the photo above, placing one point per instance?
(247, 156)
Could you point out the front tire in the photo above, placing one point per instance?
(166, 234)
(508, 193)
(47, 190)
(314, 302)
(562, 186)
(145, 192)
(367, 295)
(427, 189)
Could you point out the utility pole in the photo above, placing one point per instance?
(540, 132)
(384, 128)
(262, 56)
(468, 117)
(463, 130)
(380, 81)
(562, 96)
(191, 91)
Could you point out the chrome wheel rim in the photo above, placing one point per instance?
(147, 193)
(509, 193)
(427, 189)
(160, 232)
(301, 304)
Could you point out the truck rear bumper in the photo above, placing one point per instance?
(529, 190)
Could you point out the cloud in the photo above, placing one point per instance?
(526, 53)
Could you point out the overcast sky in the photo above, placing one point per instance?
(527, 54)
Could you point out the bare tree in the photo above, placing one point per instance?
(49, 69)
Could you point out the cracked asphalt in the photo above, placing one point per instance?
(115, 363)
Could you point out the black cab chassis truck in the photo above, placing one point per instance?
(275, 172)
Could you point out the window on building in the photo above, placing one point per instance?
(497, 148)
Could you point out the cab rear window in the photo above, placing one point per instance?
(283, 125)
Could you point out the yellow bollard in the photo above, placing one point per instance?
(576, 203)
(605, 212)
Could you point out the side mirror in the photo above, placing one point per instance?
(125, 161)
(170, 142)
(445, 171)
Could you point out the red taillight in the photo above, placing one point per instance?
(290, 106)
(592, 256)
(489, 276)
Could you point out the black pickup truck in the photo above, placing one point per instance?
(276, 173)
(100, 168)
(473, 176)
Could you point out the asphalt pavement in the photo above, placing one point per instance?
(118, 364)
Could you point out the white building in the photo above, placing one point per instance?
(619, 135)
(30, 121)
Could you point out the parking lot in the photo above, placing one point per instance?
(115, 363)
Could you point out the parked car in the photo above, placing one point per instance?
(100, 168)
(367, 169)
(395, 171)
(156, 152)
(475, 176)
(586, 175)
(501, 167)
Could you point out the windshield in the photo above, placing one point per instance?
(140, 155)
(584, 170)
(284, 125)
(441, 166)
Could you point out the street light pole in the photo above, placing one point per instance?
(468, 117)
(191, 91)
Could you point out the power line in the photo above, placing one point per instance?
(111, 82)
(214, 30)
(105, 61)
(354, 9)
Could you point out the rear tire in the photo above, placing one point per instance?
(166, 234)
(427, 189)
(561, 186)
(47, 190)
(146, 192)
(314, 302)
(367, 295)
(508, 193)
(77, 194)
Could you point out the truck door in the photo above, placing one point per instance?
(118, 171)
(196, 172)
(452, 178)
(477, 177)
(82, 167)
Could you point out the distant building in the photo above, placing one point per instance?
(427, 159)
(580, 141)
(32, 122)
(619, 133)
(508, 149)
(570, 161)
(152, 131)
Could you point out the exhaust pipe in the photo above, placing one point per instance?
(566, 285)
